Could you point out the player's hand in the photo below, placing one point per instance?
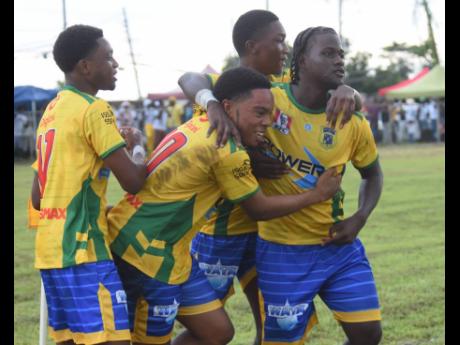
(328, 184)
(219, 121)
(346, 231)
(342, 100)
(264, 166)
(132, 136)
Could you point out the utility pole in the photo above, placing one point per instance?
(340, 19)
(132, 54)
(267, 5)
(64, 14)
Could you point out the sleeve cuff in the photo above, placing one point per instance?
(109, 151)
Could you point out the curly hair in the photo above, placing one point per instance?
(248, 26)
(73, 44)
(239, 82)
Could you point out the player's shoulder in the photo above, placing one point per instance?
(75, 94)
(230, 149)
(359, 116)
(213, 77)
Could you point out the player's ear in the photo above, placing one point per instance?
(251, 47)
(82, 67)
(227, 104)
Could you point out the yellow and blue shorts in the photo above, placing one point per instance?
(290, 276)
(221, 258)
(154, 305)
(86, 303)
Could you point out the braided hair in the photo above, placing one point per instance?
(300, 44)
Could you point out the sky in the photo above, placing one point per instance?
(175, 36)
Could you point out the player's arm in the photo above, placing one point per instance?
(370, 190)
(109, 144)
(262, 207)
(35, 194)
(345, 99)
(130, 172)
(197, 88)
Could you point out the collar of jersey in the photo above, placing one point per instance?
(288, 89)
(81, 93)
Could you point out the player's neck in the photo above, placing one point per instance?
(309, 95)
(80, 84)
(247, 62)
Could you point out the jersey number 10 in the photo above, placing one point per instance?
(170, 144)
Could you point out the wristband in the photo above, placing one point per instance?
(203, 97)
(138, 149)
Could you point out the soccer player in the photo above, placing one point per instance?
(315, 251)
(78, 144)
(187, 175)
(228, 239)
(259, 39)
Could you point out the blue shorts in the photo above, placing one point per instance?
(86, 303)
(223, 257)
(154, 305)
(290, 276)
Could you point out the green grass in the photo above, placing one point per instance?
(404, 240)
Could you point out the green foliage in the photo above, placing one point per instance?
(404, 240)
(231, 61)
(423, 51)
(362, 78)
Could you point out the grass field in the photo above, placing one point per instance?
(404, 240)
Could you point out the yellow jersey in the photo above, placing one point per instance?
(228, 218)
(188, 175)
(300, 138)
(77, 131)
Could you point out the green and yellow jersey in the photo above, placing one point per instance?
(284, 77)
(228, 218)
(77, 131)
(188, 176)
(300, 138)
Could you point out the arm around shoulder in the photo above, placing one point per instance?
(192, 82)
(130, 175)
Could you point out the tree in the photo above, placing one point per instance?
(423, 51)
(364, 79)
(358, 70)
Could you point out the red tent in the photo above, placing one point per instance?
(403, 83)
(177, 92)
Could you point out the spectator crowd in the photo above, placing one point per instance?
(392, 121)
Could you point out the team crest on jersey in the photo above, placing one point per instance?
(327, 137)
(218, 274)
(287, 316)
(282, 122)
(168, 312)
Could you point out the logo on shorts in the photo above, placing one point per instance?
(218, 274)
(287, 315)
(120, 296)
(282, 122)
(168, 312)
